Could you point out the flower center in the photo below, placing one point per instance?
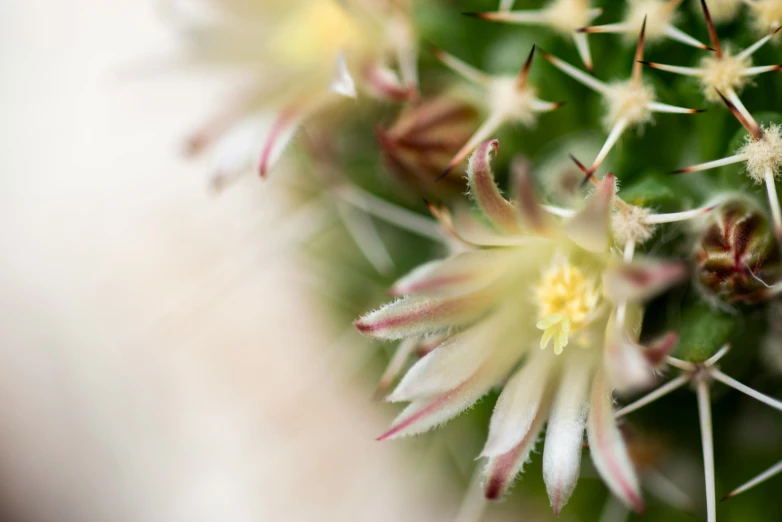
(316, 33)
(566, 301)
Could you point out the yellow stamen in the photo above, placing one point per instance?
(566, 302)
(316, 33)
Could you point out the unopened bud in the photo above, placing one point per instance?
(737, 256)
(422, 141)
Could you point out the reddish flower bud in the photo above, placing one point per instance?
(422, 141)
(737, 257)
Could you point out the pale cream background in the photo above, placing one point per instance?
(160, 359)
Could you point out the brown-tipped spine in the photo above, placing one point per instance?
(639, 55)
(752, 127)
(713, 38)
(524, 73)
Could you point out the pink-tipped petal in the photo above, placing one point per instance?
(519, 404)
(591, 227)
(415, 316)
(282, 132)
(658, 350)
(565, 431)
(422, 415)
(607, 447)
(458, 275)
(484, 190)
(641, 280)
(627, 367)
(451, 363)
(501, 470)
(383, 83)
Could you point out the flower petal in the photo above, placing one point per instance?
(531, 211)
(607, 447)
(484, 190)
(283, 129)
(502, 469)
(457, 275)
(641, 280)
(383, 83)
(424, 414)
(342, 83)
(395, 365)
(625, 361)
(518, 404)
(235, 152)
(456, 360)
(659, 349)
(565, 431)
(591, 227)
(415, 316)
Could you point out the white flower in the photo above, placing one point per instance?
(530, 287)
(297, 59)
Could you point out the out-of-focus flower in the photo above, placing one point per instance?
(424, 138)
(301, 56)
(661, 16)
(737, 257)
(723, 71)
(766, 14)
(506, 99)
(761, 154)
(628, 104)
(532, 286)
(562, 16)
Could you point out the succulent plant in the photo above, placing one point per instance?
(578, 299)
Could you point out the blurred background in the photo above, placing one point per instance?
(168, 354)
(160, 356)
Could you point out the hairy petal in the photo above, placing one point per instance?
(591, 227)
(424, 414)
(519, 404)
(457, 275)
(415, 316)
(565, 432)
(452, 362)
(502, 469)
(607, 447)
(497, 209)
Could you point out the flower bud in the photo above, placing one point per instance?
(737, 257)
(421, 142)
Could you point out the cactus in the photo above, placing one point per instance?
(584, 294)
